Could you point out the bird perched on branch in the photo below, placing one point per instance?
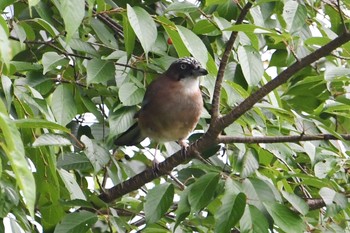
(171, 107)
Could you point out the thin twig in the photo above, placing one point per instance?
(280, 139)
(224, 60)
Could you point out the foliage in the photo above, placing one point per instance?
(73, 74)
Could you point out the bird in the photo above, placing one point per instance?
(171, 107)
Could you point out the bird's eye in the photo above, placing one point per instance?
(183, 66)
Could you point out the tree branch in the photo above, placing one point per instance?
(280, 79)
(210, 137)
(218, 83)
(279, 139)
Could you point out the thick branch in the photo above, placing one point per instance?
(280, 79)
(217, 89)
(279, 139)
(210, 137)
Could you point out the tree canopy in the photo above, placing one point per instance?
(269, 154)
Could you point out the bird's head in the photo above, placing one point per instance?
(186, 67)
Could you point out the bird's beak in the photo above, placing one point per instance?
(200, 72)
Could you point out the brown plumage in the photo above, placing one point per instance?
(171, 107)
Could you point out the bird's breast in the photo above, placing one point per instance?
(174, 113)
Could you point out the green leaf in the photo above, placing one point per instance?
(251, 64)
(104, 34)
(74, 161)
(96, 153)
(121, 119)
(253, 221)
(51, 60)
(83, 46)
(71, 185)
(5, 46)
(183, 209)
(32, 3)
(184, 7)
(158, 201)
(51, 140)
(99, 71)
(63, 104)
(285, 218)
(73, 13)
(78, 222)
(202, 191)
(231, 210)
(143, 26)
(205, 27)
(14, 149)
(333, 72)
(174, 35)
(129, 94)
(295, 15)
(5, 3)
(258, 191)
(129, 36)
(7, 89)
(298, 203)
(40, 123)
(249, 28)
(194, 44)
(250, 164)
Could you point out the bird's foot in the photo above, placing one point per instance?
(155, 166)
(184, 146)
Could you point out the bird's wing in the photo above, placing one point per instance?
(130, 137)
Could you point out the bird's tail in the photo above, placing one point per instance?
(130, 137)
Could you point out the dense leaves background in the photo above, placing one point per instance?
(73, 74)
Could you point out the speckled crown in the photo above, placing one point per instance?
(188, 60)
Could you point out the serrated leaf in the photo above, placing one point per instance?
(143, 26)
(78, 222)
(295, 15)
(231, 210)
(73, 13)
(283, 217)
(202, 191)
(129, 94)
(99, 71)
(97, 154)
(14, 149)
(51, 140)
(51, 60)
(251, 64)
(158, 201)
(194, 45)
(63, 104)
